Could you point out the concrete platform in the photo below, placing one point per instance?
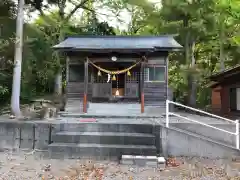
(126, 134)
(114, 109)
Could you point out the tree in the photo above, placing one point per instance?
(64, 19)
(16, 87)
(89, 6)
(197, 25)
(226, 14)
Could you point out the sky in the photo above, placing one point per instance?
(112, 21)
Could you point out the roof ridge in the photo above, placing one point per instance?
(222, 73)
(120, 36)
(226, 70)
(155, 43)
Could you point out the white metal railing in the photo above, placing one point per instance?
(236, 122)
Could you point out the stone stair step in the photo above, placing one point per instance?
(101, 151)
(105, 138)
(104, 127)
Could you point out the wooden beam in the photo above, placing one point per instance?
(85, 86)
(142, 85)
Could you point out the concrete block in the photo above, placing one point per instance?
(197, 146)
(127, 156)
(150, 161)
(214, 134)
(42, 136)
(27, 135)
(151, 164)
(158, 144)
(151, 158)
(161, 160)
(164, 141)
(127, 162)
(9, 135)
(56, 127)
(161, 166)
(140, 160)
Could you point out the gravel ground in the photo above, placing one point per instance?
(22, 165)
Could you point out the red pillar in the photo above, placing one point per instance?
(85, 86)
(142, 102)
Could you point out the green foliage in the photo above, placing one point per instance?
(7, 27)
(212, 25)
(40, 63)
(208, 23)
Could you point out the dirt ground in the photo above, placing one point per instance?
(23, 165)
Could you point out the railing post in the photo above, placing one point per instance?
(237, 134)
(167, 113)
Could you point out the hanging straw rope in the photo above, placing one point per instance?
(114, 72)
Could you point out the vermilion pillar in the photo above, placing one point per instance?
(85, 86)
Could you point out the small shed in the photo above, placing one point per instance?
(225, 97)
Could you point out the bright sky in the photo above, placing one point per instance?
(113, 21)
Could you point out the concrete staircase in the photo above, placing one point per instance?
(102, 141)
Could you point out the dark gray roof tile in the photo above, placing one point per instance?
(119, 42)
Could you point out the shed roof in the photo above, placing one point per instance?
(229, 75)
(118, 43)
(226, 73)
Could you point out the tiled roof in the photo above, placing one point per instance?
(89, 43)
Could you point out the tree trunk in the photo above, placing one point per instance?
(187, 41)
(16, 85)
(192, 79)
(221, 41)
(58, 79)
(58, 82)
(187, 58)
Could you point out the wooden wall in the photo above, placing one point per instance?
(221, 99)
(156, 92)
(75, 84)
(216, 99)
(76, 90)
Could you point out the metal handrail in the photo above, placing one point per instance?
(236, 122)
(201, 111)
(204, 124)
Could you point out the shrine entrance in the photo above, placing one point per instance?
(119, 83)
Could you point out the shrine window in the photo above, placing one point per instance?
(154, 74)
(76, 73)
